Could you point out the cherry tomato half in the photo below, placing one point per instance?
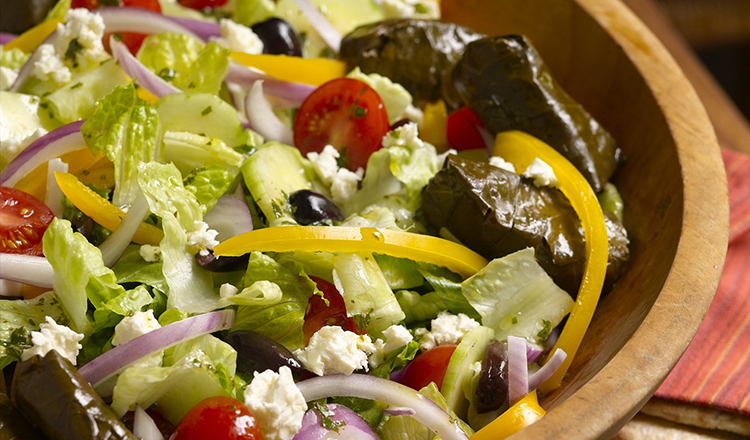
(23, 220)
(319, 315)
(132, 40)
(461, 130)
(345, 113)
(219, 418)
(428, 367)
(202, 4)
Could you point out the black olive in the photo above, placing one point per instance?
(213, 263)
(492, 388)
(278, 37)
(311, 207)
(256, 352)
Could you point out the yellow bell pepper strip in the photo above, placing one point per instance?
(438, 251)
(101, 210)
(434, 125)
(521, 149)
(525, 412)
(31, 39)
(79, 161)
(313, 71)
(146, 95)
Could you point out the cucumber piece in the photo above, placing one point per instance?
(344, 15)
(272, 174)
(201, 113)
(470, 350)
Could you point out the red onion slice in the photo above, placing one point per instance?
(141, 21)
(26, 269)
(6, 38)
(230, 217)
(322, 26)
(50, 146)
(489, 141)
(135, 69)
(204, 29)
(288, 91)
(28, 66)
(113, 361)
(426, 411)
(10, 289)
(533, 352)
(353, 427)
(54, 195)
(114, 246)
(144, 426)
(553, 363)
(518, 369)
(399, 411)
(261, 118)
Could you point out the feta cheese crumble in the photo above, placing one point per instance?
(396, 336)
(335, 350)
(53, 336)
(406, 135)
(50, 67)
(134, 326)
(499, 162)
(150, 254)
(446, 329)
(541, 173)
(19, 123)
(203, 238)
(239, 38)
(79, 40)
(7, 77)
(277, 403)
(427, 9)
(342, 181)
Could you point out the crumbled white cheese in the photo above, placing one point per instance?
(239, 38)
(428, 9)
(50, 67)
(342, 181)
(19, 123)
(150, 254)
(7, 77)
(445, 329)
(499, 162)
(541, 173)
(335, 350)
(396, 336)
(406, 135)
(87, 29)
(227, 290)
(134, 326)
(53, 336)
(276, 402)
(203, 237)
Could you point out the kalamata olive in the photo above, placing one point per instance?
(213, 263)
(278, 37)
(492, 388)
(311, 207)
(256, 352)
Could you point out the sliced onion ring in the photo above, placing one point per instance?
(114, 246)
(143, 76)
(28, 66)
(144, 426)
(113, 361)
(518, 369)
(26, 269)
(6, 38)
(426, 411)
(354, 427)
(204, 29)
(50, 146)
(553, 363)
(141, 21)
(399, 411)
(288, 91)
(322, 26)
(229, 217)
(262, 119)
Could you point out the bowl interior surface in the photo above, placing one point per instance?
(676, 213)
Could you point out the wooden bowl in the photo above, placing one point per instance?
(674, 187)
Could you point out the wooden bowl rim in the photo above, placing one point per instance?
(589, 413)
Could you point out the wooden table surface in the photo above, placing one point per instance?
(669, 420)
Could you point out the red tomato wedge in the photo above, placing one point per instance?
(132, 40)
(461, 130)
(202, 4)
(319, 314)
(427, 367)
(23, 220)
(345, 113)
(219, 418)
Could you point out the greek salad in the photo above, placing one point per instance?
(291, 220)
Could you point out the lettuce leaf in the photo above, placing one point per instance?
(209, 183)
(396, 99)
(18, 318)
(189, 151)
(132, 268)
(249, 12)
(127, 129)
(190, 287)
(13, 58)
(282, 321)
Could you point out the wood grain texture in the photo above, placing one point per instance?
(674, 188)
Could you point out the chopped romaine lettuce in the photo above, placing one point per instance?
(18, 318)
(397, 100)
(209, 183)
(189, 151)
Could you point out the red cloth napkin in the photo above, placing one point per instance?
(715, 369)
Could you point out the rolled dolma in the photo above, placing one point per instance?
(13, 425)
(418, 54)
(496, 212)
(53, 396)
(506, 83)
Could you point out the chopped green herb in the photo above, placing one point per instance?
(325, 419)
(167, 74)
(544, 332)
(73, 48)
(419, 8)
(76, 85)
(360, 112)
(206, 111)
